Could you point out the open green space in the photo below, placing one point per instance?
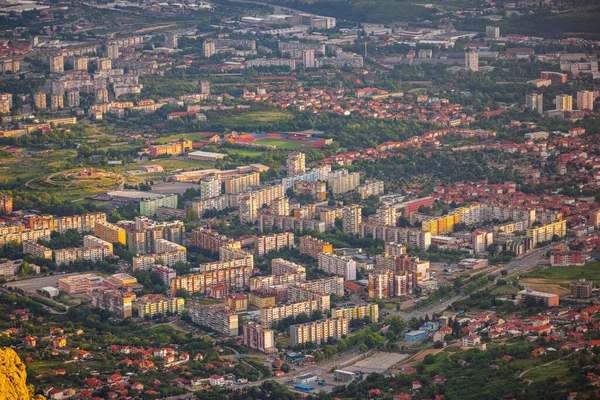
(563, 275)
(282, 144)
(171, 164)
(242, 152)
(558, 369)
(504, 290)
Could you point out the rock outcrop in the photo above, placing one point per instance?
(13, 377)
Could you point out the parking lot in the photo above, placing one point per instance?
(32, 285)
(377, 362)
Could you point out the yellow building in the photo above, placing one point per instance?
(260, 299)
(152, 304)
(110, 233)
(357, 312)
(442, 225)
(237, 302)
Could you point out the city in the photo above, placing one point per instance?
(323, 200)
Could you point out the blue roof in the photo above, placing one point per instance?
(304, 388)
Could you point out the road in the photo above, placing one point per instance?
(517, 266)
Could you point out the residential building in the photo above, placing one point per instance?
(548, 232)
(237, 302)
(585, 100)
(6, 204)
(39, 99)
(581, 289)
(220, 320)
(236, 278)
(492, 32)
(318, 331)
(73, 98)
(280, 206)
(564, 102)
(351, 219)
(209, 48)
(341, 181)
(330, 285)
(110, 233)
(338, 265)
(171, 40)
(317, 190)
(93, 249)
(112, 51)
(548, 299)
(241, 183)
(472, 61)
(212, 241)
(37, 250)
(149, 206)
(80, 223)
(257, 337)
(566, 257)
(295, 164)
(414, 237)
(535, 102)
(154, 304)
(279, 266)
(165, 273)
(297, 293)
(414, 336)
(57, 64)
(554, 77)
(57, 101)
(210, 187)
(357, 312)
(277, 313)
(261, 299)
(471, 341)
(289, 223)
(313, 247)
(169, 258)
(118, 303)
(250, 202)
(371, 188)
(274, 242)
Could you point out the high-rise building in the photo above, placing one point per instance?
(295, 164)
(581, 289)
(205, 87)
(112, 51)
(149, 206)
(118, 303)
(341, 181)
(154, 304)
(318, 331)
(210, 187)
(171, 40)
(57, 64)
(57, 101)
(313, 246)
(351, 219)
(102, 95)
(241, 183)
(535, 102)
(585, 100)
(338, 265)
(73, 98)
(274, 242)
(564, 102)
(110, 233)
(218, 319)
(309, 58)
(40, 100)
(492, 32)
(104, 64)
(357, 312)
(80, 64)
(6, 204)
(209, 48)
(259, 338)
(472, 61)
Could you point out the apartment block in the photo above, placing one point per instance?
(548, 299)
(280, 206)
(6, 204)
(318, 331)
(268, 282)
(149, 206)
(585, 100)
(357, 312)
(257, 337)
(472, 61)
(37, 250)
(329, 215)
(212, 241)
(338, 265)
(394, 249)
(279, 266)
(564, 102)
(414, 237)
(210, 186)
(57, 64)
(317, 190)
(330, 285)
(341, 181)
(119, 304)
(274, 314)
(80, 223)
(581, 289)
(237, 302)
(261, 299)
(220, 320)
(93, 249)
(20, 235)
(241, 183)
(313, 247)
(110, 233)
(143, 233)
(563, 258)
(275, 242)
(295, 164)
(371, 188)
(535, 102)
(288, 223)
(297, 293)
(154, 304)
(351, 219)
(235, 278)
(165, 273)
(545, 233)
(146, 261)
(250, 202)
(387, 284)
(437, 225)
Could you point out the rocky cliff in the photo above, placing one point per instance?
(13, 377)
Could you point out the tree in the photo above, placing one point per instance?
(363, 348)
(25, 269)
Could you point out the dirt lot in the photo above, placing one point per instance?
(543, 286)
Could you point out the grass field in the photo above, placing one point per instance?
(505, 289)
(558, 369)
(194, 137)
(262, 116)
(563, 275)
(242, 152)
(170, 164)
(282, 144)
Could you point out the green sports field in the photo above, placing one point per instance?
(282, 144)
